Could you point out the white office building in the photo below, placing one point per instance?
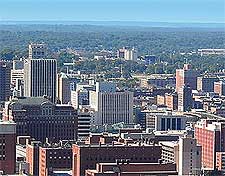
(111, 106)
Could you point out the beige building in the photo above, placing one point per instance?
(186, 153)
(110, 105)
(39, 74)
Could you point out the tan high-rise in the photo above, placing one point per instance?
(40, 74)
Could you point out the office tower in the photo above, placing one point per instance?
(186, 76)
(40, 118)
(79, 97)
(219, 87)
(39, 73)
(37, 51)
(111, 106)
(4, 81)
(17, 71)
(206, 83)
(84, 123)
(185, 99)
(63, 88)
(7, 147)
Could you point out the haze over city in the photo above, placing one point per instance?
(112, 87)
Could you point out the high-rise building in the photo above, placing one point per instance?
(37, 51)
(110, 105)
(39, 73)
(185, 99)
(63, 88)
(127, 53)
(210, 135)
(219, 87)
(84, 123)
(206, 84)
(5, 72)
(40, 118)
(186, 76)
(7, 147)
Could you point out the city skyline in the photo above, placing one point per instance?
(114, 10)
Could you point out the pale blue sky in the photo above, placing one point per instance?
(114, 10)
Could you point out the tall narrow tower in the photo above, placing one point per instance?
(40, 73)
(5, 72)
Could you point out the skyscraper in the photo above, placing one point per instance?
(186, 76)
(4, 81)
(185, 98)
(40, 73)
(111, 106)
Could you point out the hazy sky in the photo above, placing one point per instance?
(114, 10)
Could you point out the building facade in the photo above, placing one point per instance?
(40, 73)
(7, 147)
(206, 84)
(186, 76)
(40, 118)
(210, 135)
(87, 156)
(5, 72)
(111, 106)
(185, 100)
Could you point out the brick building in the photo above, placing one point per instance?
(219, 87)
(7, 147)
(53, 158)
(32, 157)
(133, 169)
(39, 118)
(211, 136)
(86, 156)
(186, 76)
(44, 159)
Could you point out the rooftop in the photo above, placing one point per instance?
(31, 101)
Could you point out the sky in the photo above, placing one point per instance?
(187, 11)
